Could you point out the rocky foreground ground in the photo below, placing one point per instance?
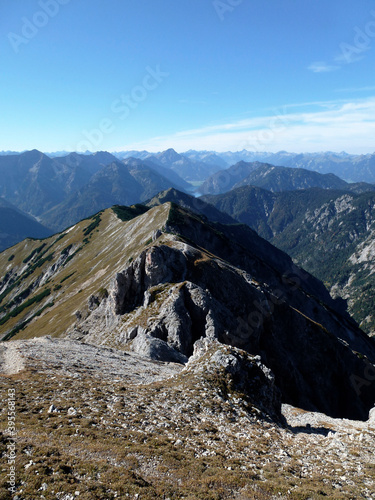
(96, 423)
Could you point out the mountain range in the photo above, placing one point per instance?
(61, 191)
(131, 181)
(157, 280)
(16, 226)
(274, 178)
(352, 168)
(330, 233)
(166, 350)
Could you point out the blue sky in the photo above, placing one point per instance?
(264, 75)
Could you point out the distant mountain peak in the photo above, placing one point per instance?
(169, 155)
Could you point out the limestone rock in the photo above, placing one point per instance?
(157, 349)
(235, 370)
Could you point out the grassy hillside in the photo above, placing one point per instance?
(52, 279)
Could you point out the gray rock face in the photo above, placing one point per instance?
(157, 349)
(173, 295)
(235, 370)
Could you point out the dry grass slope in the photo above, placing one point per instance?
(182, 437)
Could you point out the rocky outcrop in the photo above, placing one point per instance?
(161, 281)
(234, 371)
(174, 295)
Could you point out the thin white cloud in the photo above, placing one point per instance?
(357, 89)
(333, 126)
(322, 67)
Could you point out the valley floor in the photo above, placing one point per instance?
(96, 423)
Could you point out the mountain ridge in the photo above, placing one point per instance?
(156, 282)
(324, 231)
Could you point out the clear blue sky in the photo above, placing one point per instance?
(265, 75)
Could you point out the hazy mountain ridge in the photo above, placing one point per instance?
(275, 178)
(352, 168)
(62, 190)
(126, 182)
(165, 172)
(15, 226)
(189, 169)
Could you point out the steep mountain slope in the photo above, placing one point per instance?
(117, 183)
(165, 279)
(191, 203)
(34, 182)
(329, 233)
(276, 179)
(167, 173)
(352, 168)
(225, 179)
(190, 170)
(289, 179)
(15, 226)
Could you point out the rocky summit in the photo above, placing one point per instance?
(158, 354)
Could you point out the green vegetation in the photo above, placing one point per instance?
(34, 252)
(18, 298)
(128, 213)
(175, 216)
(21, 326)
(38, 263)
(102, 293)
(73, 255)
(60, 237)
(67, 277)
(18, 310)
(11, 258)
(94, 224)
(320, 229)
(7, 291)
(66, 250)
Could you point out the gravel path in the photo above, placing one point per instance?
(72, 358)
(11, 361)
